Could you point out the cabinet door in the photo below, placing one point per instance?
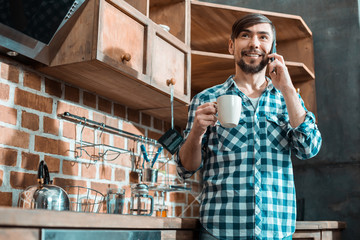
(169, 62)
(122, 39)
(19, 233)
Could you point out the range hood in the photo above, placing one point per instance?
(36, 28)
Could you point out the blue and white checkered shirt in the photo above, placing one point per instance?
(248, 186)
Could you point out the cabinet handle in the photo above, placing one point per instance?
(170, 81)
(126, 57)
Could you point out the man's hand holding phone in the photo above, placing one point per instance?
(279, 73)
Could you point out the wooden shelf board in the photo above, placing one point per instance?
(209, 18)
(209, 69)
(100, 79)
(299, 72)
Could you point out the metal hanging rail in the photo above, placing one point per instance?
(110, 129)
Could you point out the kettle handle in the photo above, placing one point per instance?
(43, 173)
(47, 174)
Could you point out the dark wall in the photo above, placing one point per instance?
(330, 182)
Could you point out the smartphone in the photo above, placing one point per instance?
(273, 50)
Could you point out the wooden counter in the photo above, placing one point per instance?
(16, 223)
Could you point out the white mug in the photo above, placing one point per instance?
(229, 110)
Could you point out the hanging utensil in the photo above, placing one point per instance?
(156, 156)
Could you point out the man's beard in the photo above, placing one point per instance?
(251, 69)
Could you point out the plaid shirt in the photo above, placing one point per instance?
(248, 186)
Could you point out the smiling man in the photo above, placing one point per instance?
(248, 186)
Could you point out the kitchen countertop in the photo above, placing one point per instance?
(17, 217)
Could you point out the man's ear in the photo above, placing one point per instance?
(231, 47)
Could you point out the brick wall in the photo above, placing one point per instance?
(31, 131)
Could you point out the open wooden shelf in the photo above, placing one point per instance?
(209, 69)
(211, 25)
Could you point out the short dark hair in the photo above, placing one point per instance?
(248, 21)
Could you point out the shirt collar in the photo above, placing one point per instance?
(230, 84)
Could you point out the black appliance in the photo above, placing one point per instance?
(29, 27)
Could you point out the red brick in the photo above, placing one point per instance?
(104, 105)
(119, 142)
(120, 175)
(30, 121)
(6, 199)
(188, 212)
(158, 124)
(128, 127)
(64, 107)
(70, 168)
(178, 197)
(89, 99)
(69, 130)
(8, 115)
(178, 211)
(145, 119)
(32, 80)
(119, 110)
(63, 182)
(52, 146)
(30, 100)
(51, 126)
(105, 138)
(123, 160)
(72, 94)
(4, 91)
(101, 118)
(102, 187)
(88, 171)
(30, 161)
(133, 115)
(195, 211)
(53, 88)
(105, 172)
(88, 135)
(53, 164)
(8, 157)
(154, 135)
(9, 72)
(20, 180)
(14, 137)
(1, 177)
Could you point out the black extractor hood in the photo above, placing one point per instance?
(36, 28)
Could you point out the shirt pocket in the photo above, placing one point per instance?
(232, 139)
(276, 130)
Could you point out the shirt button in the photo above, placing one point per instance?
(257, 189)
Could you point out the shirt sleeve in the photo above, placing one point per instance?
(306, 138)
(181, 170)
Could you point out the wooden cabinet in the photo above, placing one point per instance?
(319, 230)
(212, 64)
(25, 224)
(16, 223)
(117, 51)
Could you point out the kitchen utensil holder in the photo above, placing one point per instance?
(104, 152)
(149, 175)
(83, 199)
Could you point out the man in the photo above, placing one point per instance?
(248, 187)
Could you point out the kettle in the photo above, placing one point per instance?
(45, 195)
